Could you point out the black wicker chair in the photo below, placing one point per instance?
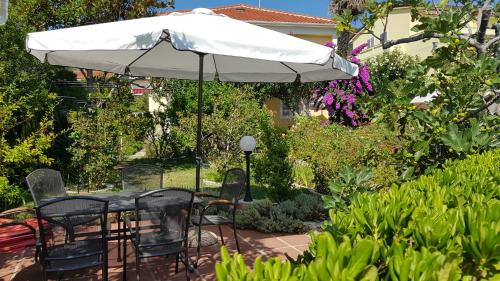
(159, 226)
(88, 249)
(142, 177)
(234, 181)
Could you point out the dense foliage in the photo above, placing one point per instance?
(329, 150)
(273, 168)
(229, 113)
(444, 226)
(286, 217)
(391, 76)
(33, 127)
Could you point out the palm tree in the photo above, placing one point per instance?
(356, 7)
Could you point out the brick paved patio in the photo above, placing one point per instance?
(21, 266)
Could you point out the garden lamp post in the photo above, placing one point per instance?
(247, 144)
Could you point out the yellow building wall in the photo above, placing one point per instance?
(274, 104)
(400, 26)
(319, 39)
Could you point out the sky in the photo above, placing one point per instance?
(307, 7)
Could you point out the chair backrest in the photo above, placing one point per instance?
(82, 218)
(166, 212)
(45, 184)
(234, 181)
(142, 177)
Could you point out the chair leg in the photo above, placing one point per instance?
(137, 265)
(37, 253)
(124, 260)
(221, 235)
(236, 238)
(177, 263)
(186, 263)
(105, 272)
(198, 247)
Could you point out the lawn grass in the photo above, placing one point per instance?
(181, 173)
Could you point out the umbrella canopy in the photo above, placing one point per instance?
(237, 51)
(198, 45)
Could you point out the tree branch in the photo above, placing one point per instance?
(494, 99)
(416, 38)
(490, 43)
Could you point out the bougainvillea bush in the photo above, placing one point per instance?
(339, 97)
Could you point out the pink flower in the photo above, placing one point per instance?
(328, 100)
(356, 51)
(330, 44)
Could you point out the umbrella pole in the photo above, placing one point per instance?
(198, 129)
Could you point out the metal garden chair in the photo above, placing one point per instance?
(88, 249)
(227, 200)
(45, 184)
(160, 226)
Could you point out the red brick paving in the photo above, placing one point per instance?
(21, 266)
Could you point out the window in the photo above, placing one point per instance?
(285, 111)
(370, 42)
(383, 37)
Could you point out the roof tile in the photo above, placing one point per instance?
(251, 13)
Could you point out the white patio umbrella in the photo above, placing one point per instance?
(197, 45)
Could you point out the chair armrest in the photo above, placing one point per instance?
(204, 194)
(19, 210)
(220, 202)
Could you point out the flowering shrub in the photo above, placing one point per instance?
(339, 97)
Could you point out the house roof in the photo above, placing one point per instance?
(255, 14)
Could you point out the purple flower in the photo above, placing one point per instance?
(328, 100)
(350, 99)
(354, 123)
(332, 84)
(356, 51)
(355, 60)
(330, 44)
(358, 88)
(337, 106)
(350, 114)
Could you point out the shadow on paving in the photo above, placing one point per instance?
(21, 266)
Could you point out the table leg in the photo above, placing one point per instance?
(119, 258)
(124, 273)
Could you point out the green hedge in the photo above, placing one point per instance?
(445, 226)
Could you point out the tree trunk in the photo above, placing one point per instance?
(483, 26)
(343, 44)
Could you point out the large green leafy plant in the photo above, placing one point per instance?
(462, 73)
(444, 226)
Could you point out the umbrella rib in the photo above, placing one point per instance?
(215, 64)
(289, 67)
(127, 67)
